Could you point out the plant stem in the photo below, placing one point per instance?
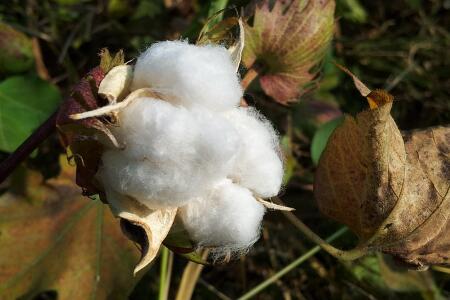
(189, 279)
(351, 254)
(169, 272)
(24, 150)
(215, 10)
(441, 269)
(257, 289)
(249, 77)
(163, 274)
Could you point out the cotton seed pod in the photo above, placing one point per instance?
(390, 187)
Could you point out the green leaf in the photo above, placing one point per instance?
(310, 114)
(353, 11)
(381, 273)
(401, 279)
(286, 44)
(367, 270)
(16, 53)
(179, 242)
(321, 136)
(25, 102)
(54, 239)
(215, 11)
(118, 8)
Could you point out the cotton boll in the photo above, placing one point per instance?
(189, 74)
(258, 164)
(228, 217)
(164, 133)
(171, 154)
(152, 184)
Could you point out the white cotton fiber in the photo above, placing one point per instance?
(227, 217)
(190, 75)
(196, 150)
(171, 155)
(259, 166)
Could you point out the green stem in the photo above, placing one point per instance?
(163, 274)
(351, 254)
(257, 289)
(216, 6)
(215, 13)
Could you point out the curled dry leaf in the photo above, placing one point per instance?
(221, 33)
(237, 48)
(286, 43)
(391, 188)
(145, 226)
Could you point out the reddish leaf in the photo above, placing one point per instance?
(82, 136)
(287, 42)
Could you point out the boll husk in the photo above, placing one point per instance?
(172, 146)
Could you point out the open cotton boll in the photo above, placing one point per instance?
(190, 74)
(171, 154)
(258, 163)
(228, 217)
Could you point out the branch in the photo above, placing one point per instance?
(24, 150)
(352, 254)
(251, 74)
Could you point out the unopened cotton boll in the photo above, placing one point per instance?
(171, 154)
(259, 166)
(227, 217)
(189, 74)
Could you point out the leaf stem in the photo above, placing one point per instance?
(163, 273)
(251, 74)
(28, 146)
(257, 289)
(351, 254)
(189, 279)
(441, 269)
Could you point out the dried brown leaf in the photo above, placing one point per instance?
(375, 98)
(237, 48)
(52, 238)
(390, 188)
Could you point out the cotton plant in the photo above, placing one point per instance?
(173, 151)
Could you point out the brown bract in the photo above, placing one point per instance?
(391, 188)
(286, 42)
(54, 239)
